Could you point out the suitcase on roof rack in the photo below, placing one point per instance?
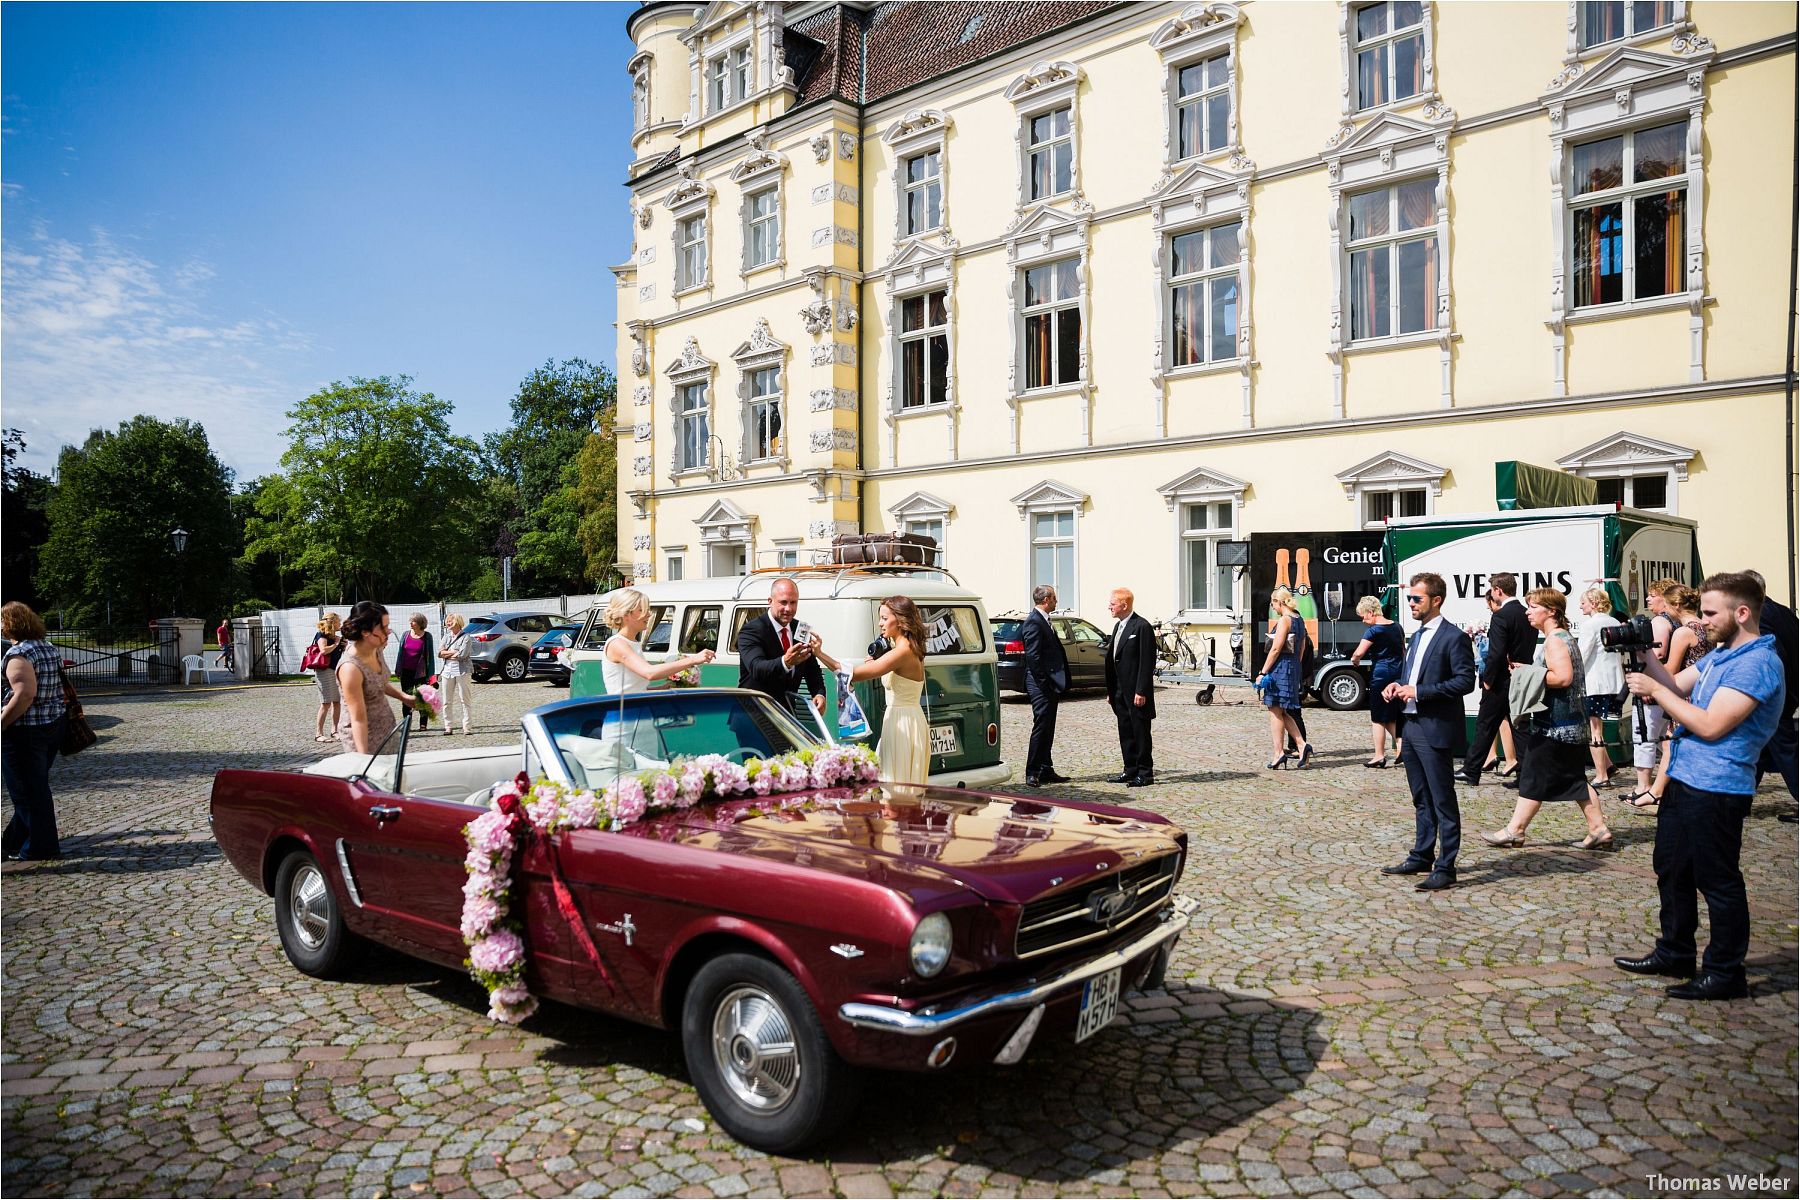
(906, 549)
(849, 549)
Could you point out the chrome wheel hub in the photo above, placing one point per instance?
(753, 1047)
(309, 907)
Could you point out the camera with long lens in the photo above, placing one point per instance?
(1630, 638)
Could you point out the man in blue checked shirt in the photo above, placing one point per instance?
(1725, 709)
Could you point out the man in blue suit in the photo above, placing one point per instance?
(1439, 671)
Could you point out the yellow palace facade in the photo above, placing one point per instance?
(1084, 289)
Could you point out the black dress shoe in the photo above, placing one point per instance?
(1409, 867)
(1711, 986)
(1437, 881)
(1125, 778)
(1655, 964)
(1053, 777)
(1033, 781)
(1469, 780)
(1141, 781)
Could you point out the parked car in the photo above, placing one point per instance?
(548, 660)
(1081, 640)
(790, 941)
(503, 643)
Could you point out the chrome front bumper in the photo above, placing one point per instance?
(921, 1024)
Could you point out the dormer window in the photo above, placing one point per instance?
(728, 78)
(1390, 52)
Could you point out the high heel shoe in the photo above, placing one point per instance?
(1377, 763)
(1590, 842)
(1305, 755)
(1505, 837)
(1279, 764)
(1508, 771)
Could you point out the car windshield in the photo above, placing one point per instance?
(1006, 629)
(596, 742)
(479, 625)
(561, 636)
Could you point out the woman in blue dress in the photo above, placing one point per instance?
(1385, 647)
(1279, 683)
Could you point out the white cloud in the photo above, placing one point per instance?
(91, 335)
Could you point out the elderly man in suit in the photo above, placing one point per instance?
(1130, 684)
(1046, 679)
(773, 659)
(1511, 639)
(1438, 672)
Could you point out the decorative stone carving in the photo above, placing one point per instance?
(761, 159)
(640, 465)
(832, 353)
(1345, 131)
(689, 187)
(1564, 78)
(817, 316)
(641, 431)
(640, 356)
(916, 122)
(821, 146)
(823, 531)
(640, 395)
(846, 316)
(643, 217)
(846, 146)
(1043, 75)
(823, 440)
(1437, 110)
(831, 399)
(691, 361)
(640, 541)
(647, 292)
(822, 194)
(762, 341)
(1690, 42)
(647, 254)
(1193, 20)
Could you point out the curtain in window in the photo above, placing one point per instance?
(1599, 267)
(1186, 325)
(1602, 21)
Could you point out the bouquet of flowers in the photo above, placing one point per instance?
(689, 677)
(428, 700)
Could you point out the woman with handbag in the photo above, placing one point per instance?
(414, 663)
(34, 716)
(321, 659)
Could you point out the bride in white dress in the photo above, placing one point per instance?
(624, 668)
(905, 748)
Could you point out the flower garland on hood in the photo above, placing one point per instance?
(523, 809)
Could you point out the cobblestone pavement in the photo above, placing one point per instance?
(1326, 1029)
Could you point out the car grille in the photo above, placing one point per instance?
(1072, 917)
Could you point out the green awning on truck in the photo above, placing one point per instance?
(1522, 485)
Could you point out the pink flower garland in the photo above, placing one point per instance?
(496, 944)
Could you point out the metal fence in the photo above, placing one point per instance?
(288, 631)
(111, 656)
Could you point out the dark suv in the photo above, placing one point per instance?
(1081, 641)
(547, 658)
(502, 642)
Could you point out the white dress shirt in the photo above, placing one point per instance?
(1416, 653)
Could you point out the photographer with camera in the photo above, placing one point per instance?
(1651, 724)
(1726, 708)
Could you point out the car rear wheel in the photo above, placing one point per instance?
(513, 667)
(1343, 689)
(759, 1057)
(308, 919)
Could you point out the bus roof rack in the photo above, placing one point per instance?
(842, 575)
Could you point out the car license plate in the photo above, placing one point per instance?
(1099, 1004)
(943, 739)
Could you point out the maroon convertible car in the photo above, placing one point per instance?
(792, 940)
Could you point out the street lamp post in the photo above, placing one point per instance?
(180, 537)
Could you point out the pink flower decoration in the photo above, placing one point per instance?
(498, 952)
(664, 790)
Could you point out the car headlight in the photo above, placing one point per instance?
(931, 945)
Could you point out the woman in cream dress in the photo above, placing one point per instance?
(624, 669)
(905, 748)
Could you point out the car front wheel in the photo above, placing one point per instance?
(1343, 689)
(308, 919)
(759, 1057)
(513, 666)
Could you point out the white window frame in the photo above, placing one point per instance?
(761, 171)
(692, 273)
(1205, 277)
(1678, 24)
(1625, 196)
(1198, 33)
(1046, 499)
(690, 199)
(686, 415)
(690, 369)
(787, 551)
(921, 131)
(674, 564)
(730, 75)
(1043, 151)
(769, 221)
(1048, 86)
(1627, 90)
(1392, 472)
(1631, 456)
(771, 401)
(1062, 303)
(927, 188)
(1390, 149)
(1354, 47)
(1204, 486)
(1191, 197)
(1388, 245)
(760, 33)
(917, 267)
(639, 68)
(926, 333)
(763, 352)
(923, 508)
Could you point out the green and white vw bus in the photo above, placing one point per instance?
(962, 691)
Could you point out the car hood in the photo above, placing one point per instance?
(923, 841)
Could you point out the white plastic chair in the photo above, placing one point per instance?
(194, 662)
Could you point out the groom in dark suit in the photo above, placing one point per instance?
(1130, 684)
(1438, 672)
(772, 659)
(1046, 679)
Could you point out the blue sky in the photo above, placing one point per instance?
(212, 209)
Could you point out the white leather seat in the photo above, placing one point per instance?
(453, 775)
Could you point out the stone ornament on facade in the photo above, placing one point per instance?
(1428, 90)
(824, 440)
(1199, 32)
(640, 355)
(640, 465)
(761, 342)
(1391, 466)
(816, 316)
(831, 400)
(1047, 86)
(834, 353)
(641, 431)
(846, 146)
(690, 361)
(821, 146)
(640, 541)
(689, 188)
(824, 531)
(640, 395)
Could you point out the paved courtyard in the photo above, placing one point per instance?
(1326, 1029)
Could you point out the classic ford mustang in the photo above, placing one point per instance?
(791, 938)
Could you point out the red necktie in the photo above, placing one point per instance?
(787, 643)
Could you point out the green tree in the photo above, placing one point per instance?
(554, 411)
(119, 497)
(597, 496)
(373, 482)
(25, 521)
